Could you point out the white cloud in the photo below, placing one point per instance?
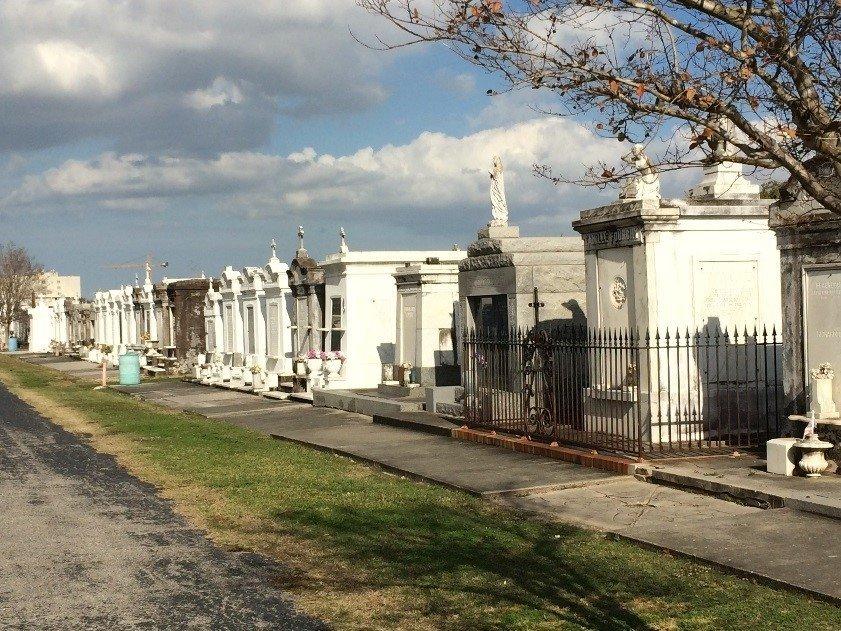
(435, 174)
(221, 92)
(147, 74)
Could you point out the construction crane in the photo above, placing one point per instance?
(146, 265)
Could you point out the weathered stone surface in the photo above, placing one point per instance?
(808, 237)
(487, 261)
(187, 298)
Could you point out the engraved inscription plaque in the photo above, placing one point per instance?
(822, 320)
(728, 295)
(273, 329)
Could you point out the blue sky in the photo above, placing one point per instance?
(197, 131)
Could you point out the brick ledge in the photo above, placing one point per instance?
(616, 464)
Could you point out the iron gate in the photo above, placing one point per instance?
(639, 393)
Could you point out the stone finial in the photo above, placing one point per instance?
(456, 248)
(723, 179)
(343, 248)
(273, 246)
(645, 184)
(300, 237)
(499, 204)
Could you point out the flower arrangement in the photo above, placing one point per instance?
(313, 354)
(105, 348)
(823, 371)
(256, 370)
(330, 355)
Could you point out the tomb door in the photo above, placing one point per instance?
(490, 313)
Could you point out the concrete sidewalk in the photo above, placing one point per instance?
(769, 545)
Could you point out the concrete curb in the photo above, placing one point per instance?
(417, 422)
(729, 569)
(739, 493)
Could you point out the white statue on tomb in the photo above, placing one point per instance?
(273, 246)
(343, 248)
(300, 237)
(646, 183)
(499, 205)
(148, 267)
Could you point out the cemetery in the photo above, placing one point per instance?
(668, 327)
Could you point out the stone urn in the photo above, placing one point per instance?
(313, 365)
(332, 368)
(813, 460)
(257, 380)
(301, 367)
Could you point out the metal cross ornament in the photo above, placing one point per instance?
(536, 305)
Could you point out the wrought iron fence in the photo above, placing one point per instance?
(666, 392)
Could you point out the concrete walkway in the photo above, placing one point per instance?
(766, 544)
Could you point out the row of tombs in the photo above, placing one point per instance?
(720, 259)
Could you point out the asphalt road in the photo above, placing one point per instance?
(85, 545)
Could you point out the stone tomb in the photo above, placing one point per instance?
(306, 284)
(187, 297)
(427, 300)
(701, 265)
(264, 303)
(498, 279)
(360, 299)
(502, 269)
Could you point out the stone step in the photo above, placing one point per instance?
(350, 401)
(425, 422)
(745, 490)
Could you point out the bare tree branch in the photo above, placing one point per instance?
(683, 68)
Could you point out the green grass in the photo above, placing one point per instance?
(369, 550)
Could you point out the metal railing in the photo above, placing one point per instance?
(651, 393)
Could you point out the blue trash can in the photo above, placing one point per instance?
(13, 343)
(129, 369)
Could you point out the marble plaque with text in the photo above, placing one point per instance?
(822, 320)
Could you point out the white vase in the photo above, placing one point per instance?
(822, 403)
(313, 365)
